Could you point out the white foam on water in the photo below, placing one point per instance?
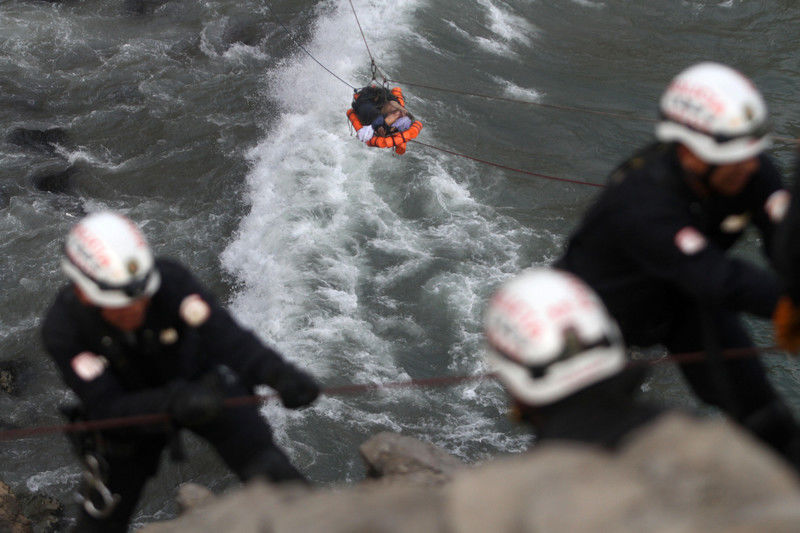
(508, 26)
(512, 90)
(590, 3)
(509, 31)
(84, 155)
(328, 255)
(66, 475)
(490, 45)
(298, 251)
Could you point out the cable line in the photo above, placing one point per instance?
(615, 113)
(498, 165)
(354, 389)
(303, 48)
(628, 115)
(375, 68)
(164, 418)
(373, 64)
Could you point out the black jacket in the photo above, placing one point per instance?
(787, 243)
(140, 370)
(650, 243)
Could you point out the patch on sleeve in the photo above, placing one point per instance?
(88, 366)
(194, 310)
(690, 241)
(777, 205)
(735, 223)
(168, 336)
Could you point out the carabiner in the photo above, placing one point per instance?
(93, 482)
(374, 69)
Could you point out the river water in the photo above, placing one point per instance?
(220, 128)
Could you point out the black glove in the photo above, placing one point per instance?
(197, 402)
(296, 388)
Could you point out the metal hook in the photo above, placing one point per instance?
(374, 68)
(93, 481)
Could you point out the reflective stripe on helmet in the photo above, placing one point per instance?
(108, 258)
(716, 112)
(549, 335)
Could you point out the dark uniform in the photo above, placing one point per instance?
(655, 251)
(187, 346)
(787, 245)
(603, 414)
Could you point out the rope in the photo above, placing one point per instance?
(343, 390)
(498, 165)
(615, 113)
(163, 418)
(373, 64)
(303, 48)
(375, 68)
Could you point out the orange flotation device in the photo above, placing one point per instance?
(396, 140)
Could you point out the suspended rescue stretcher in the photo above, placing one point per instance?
(395, 140)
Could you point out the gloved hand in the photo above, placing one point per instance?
(365, 133)
(786, 321)
(197, 402)
(296, 388)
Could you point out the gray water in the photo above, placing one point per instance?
(208, 125)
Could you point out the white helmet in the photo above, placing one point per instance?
(716, 112)
(108, 258)
(549, 335)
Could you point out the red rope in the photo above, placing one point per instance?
(163, 418)
(628, 115)
(616, 113)
(442, 381)
(498, 165)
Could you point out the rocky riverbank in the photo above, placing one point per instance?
(677, 475)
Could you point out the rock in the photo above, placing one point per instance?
(56, 181)
(556, 488)
(44, 512)
(677, 475)
(263, 508)
(710, 469)
(374, 508)
(38, 140)
(695, 457)
(192, 495)
(243, 29)
(11, 518)
(7, 379)
(391, 454)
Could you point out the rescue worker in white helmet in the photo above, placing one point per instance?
(135, 335)
(561, 357)
(654, 245)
